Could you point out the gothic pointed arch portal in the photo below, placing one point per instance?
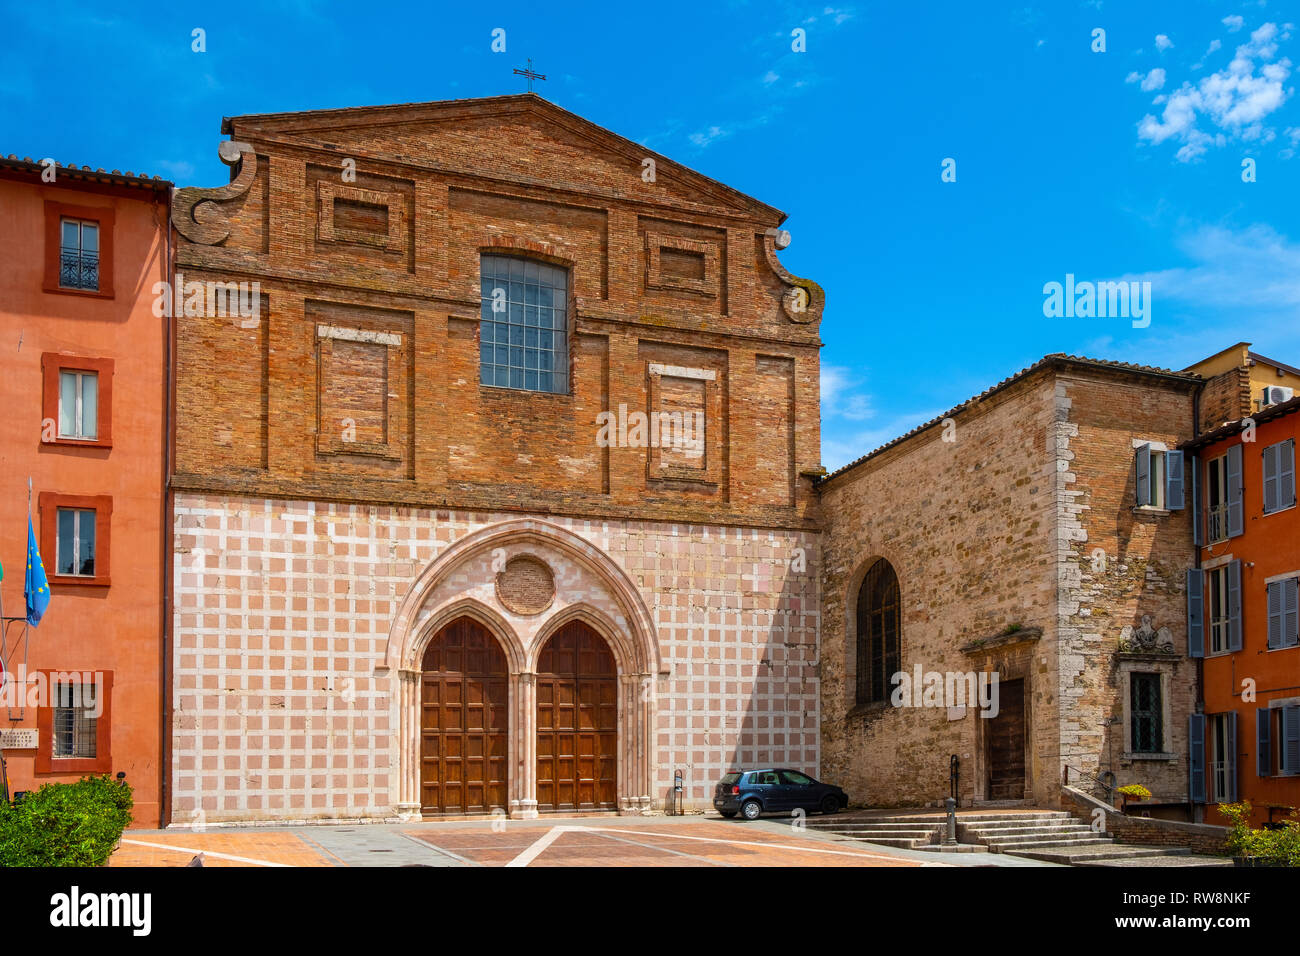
(595, 612)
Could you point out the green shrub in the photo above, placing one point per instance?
(1280, 847)
(65, 824)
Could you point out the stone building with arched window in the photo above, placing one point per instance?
(1019, 541)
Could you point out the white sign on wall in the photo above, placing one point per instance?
(17, 739)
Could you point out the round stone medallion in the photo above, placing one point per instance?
(526, 586)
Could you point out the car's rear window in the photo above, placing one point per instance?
(730, 777)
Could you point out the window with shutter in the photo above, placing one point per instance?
(1270, 478)
(1196, 758)
(1291, 612)
(1195, 612)
(1236, 507)
(1174, 480)
(1142, 462)
(1234, 606)
(1229, 757)
(1279, 476)
(1283, 613)
(1194, 469)
(1263, 741)
(1289, 752)
(1274, 591)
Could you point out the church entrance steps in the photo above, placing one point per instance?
(1051, 836)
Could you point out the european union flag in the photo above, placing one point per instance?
(37, 588)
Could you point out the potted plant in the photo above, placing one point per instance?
(1135, 792)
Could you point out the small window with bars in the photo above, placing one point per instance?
(79, 254)
(75, 545)
(78, 404)
(524, 331)
(75, 723)
(1146, 714)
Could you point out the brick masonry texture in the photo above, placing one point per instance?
(259, 408)
(340, 470)
(994, 538)
(283, 707)
(1225, 398)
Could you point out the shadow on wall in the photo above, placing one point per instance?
(777, 723)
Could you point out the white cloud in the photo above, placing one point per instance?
(1214, 45)
(1247, 271)
(709, 136)
(1235, 100)
(1132, 77)
(771, 77)
(839, 446)
(1233, 23)
(1163, 42)
(1153, 80)
(841, 397)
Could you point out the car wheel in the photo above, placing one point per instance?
(750, 809)
(728, 814)
(831, 804)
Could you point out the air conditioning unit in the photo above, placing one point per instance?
(1276, 395)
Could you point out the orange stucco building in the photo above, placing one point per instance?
(84, 393)
(1242, 604)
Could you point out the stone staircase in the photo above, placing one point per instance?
(1052, 836)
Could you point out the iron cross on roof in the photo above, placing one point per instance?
(528, 72)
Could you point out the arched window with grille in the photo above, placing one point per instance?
(524, 338)
(879, 630)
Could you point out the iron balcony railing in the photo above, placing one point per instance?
(78, 270)
(1216, 523)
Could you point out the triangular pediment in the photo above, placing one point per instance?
(521, 138)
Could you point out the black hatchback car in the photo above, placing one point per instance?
(753, 792)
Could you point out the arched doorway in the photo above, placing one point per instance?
(577, 721)
(463, 721)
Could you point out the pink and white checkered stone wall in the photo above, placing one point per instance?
(282, 709)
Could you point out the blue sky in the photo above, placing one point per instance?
(1105, 165)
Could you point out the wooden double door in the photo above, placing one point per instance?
(464, 722)
(577, 722)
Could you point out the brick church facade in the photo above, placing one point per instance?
(493, 481)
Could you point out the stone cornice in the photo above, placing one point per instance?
(1023, 635)
(411, 495)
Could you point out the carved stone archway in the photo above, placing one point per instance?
(619, 615)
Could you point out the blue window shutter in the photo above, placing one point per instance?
(1236, 511)
(1234, 606)
(1286, 473)
(1290, 763)
(1263, 742)
(1195, 612)
(1230, 758)
(1270, 478)
(1290, 612)
(1196, 758)
(1143, 464)
(1194, 465)
(1174, 480)
(1275, 615)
